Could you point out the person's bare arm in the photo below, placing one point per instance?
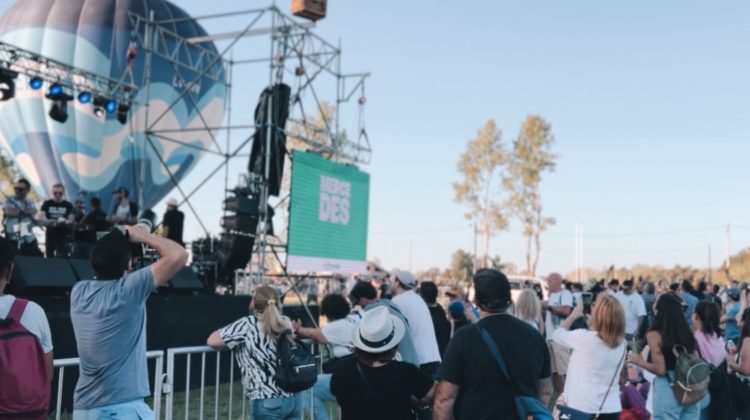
(314, 333)
(48, 357)
(561, 310)
(657, 366)
(172, 256)
(215, 340)
(445, 399)
(544, 390)
(164, 231)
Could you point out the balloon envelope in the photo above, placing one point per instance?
(92, 155)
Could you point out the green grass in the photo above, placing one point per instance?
(209, 404)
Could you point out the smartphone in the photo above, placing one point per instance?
(587, 300)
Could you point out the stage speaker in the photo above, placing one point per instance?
(186, 281)
(37, 275)
(298, 312)
(82, 269)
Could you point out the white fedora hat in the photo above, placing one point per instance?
(378, 331)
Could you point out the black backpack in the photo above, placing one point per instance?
(296, 369)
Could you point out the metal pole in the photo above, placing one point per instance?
(150, 47)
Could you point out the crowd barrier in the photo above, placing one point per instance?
(165, 382)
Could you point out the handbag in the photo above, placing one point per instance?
(569, 413)
(526, 407)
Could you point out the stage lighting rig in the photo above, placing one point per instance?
(84, 97)
(122, 113)
(7, 84)
(59, 109)
(36, 83)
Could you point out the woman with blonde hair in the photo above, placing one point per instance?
(527, 308)
(254, 336)
(592, 385)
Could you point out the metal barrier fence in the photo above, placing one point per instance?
(203, 351)
(157, 355)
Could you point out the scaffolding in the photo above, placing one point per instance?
(294, 52)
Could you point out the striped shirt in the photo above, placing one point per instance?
(256, 356)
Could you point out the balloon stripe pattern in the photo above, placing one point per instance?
(93, 155)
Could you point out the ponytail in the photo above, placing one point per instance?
(267, 308)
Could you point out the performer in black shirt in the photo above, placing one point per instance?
(57, 216)
(173, 221)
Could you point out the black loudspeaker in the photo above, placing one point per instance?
(186, 281)
(298, 312)
(82, 269)
(36, 275)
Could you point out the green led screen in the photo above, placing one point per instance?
(327, 216)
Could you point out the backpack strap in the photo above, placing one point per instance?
(17, 309)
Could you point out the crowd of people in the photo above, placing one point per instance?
(614, 350)
(70, 229)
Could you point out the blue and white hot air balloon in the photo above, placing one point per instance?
(94, 154)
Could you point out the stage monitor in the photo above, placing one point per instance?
(327, 216)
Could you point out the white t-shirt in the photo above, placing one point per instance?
(339, 334)
(556, 299)
(634, 307)
(592, 366)
(33, 319)
(420, 325)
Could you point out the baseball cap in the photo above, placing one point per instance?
(492, 289)
(404, 277)
(733, 293)
(456, 309)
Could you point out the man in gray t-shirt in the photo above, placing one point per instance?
(109, 321)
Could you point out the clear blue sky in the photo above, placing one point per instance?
(648, 102)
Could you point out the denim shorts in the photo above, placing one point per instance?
(666, 405)
(131, 410)
(286, 408)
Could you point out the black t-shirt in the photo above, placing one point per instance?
(387, 397)
(484, 393)
(54, 211)
(442, 327)
(173, 219)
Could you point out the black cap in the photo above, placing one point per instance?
(492, 289)
(627, 283)
(111, 254)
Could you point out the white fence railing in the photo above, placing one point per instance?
(158, 357)
(202, 352)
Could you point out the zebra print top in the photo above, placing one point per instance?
(256, 355)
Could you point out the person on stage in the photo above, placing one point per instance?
(125, 211)
(57, 217)
(173, 221)
(18, 220)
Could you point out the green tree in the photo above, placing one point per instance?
(481, 167)
(462, 265)
(532, 156)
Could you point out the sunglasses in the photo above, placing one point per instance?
(57, 193)
(19, 188)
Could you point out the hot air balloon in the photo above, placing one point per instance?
(93, 154)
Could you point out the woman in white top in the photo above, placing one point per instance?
(255, 338)
(592, 383)
(527, 308)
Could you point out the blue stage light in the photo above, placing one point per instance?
(111, 106)
(55, 90)
(36, 83)
(84, 97)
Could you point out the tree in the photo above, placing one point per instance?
(462, 265)
(481, 168)
(531, 157)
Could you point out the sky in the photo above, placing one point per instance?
(648, 103)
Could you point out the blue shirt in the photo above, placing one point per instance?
(109, 321)
(731, 329)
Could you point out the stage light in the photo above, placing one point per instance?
(59, 109)
(110, 106)
(7, 84)
(36, 83)
(99, 103)
(54, 90)
(84, 97)
(122, 113)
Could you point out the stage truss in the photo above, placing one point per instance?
(296, 56)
